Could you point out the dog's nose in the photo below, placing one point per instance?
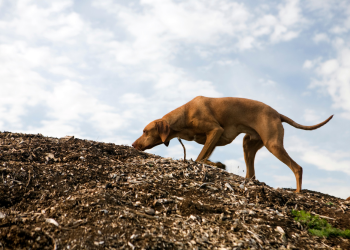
(136, 146)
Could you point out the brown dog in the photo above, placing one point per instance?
(218, 121)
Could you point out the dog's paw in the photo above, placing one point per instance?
(220, 165)
(215, 164)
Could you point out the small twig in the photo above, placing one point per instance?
(53, 240)
(183, 147)
(74, 226)
(205, 173)
(326, 245)
(255, 235)
(322, 216)
(16, 181)
(244, 181)
(288, 201)
(28, 178)
(251, 178)
(126, 193)
(205, 184)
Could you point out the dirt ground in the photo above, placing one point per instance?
(70, 193)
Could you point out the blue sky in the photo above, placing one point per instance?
(102, 70)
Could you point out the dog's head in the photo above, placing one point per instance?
(154, 134)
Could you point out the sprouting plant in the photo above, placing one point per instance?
(317, 226)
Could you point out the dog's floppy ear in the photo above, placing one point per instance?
(163, 130)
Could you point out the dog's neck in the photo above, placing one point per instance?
(176, 119)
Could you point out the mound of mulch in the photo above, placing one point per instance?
(77, 194)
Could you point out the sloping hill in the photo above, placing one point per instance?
(78, 194)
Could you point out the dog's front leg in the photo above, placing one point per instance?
(212, 138)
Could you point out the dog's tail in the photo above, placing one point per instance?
(296, 125)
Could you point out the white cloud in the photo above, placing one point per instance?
(34, 73)
(235, 166)
(133, 98)
(16, 75)
(327, 161)
(335, 160)
(311, 116)
(321, 5)
(323, 181)
(65, 107)
(119, 140)
(344, 25)
(49, 21)
(341, 191)
(334, 15)
(284, 26)
(289, 13)
(158, 30)
(190, 21)
(324, 185)
(328, 67)
(326, 9)
(334, 77)
(333, 186)
(320, 37)
(311, 64)
(267, 82)
(246, 43)
(289, 17)
(262, 154)
(70, 102)
(284, 180)
(308, 64)
(56, 128)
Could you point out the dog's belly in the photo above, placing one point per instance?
(200, 138)
(221, 142)
(226, 138)
(224, 141)
(188, 135)
(229, 134)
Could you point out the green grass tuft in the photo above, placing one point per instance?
(317, 226)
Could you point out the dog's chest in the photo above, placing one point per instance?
(187, 135)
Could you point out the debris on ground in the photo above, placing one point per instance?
(70, 193)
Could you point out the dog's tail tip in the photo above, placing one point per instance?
(297, 125)
(329, 118)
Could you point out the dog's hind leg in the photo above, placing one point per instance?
(250, 147)
(274, 143)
